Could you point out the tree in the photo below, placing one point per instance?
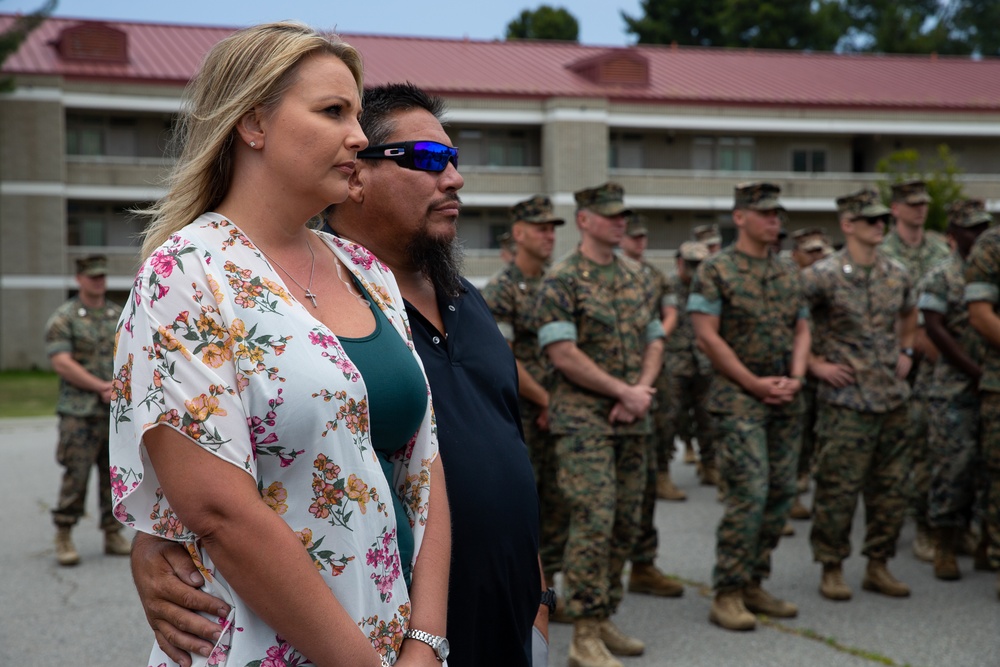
(544, 23)
(977, 23)
(12, 38)
(938, 172)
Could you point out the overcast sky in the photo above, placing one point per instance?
(600, 20)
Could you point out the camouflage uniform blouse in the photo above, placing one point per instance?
(919, 260)
(606, 311)
(943, 291)
(511, 297)
(758, 302)
(681, 354)
(982, 283)
(88, 334)
(855, 319)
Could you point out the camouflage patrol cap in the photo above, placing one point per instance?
(758, 196)
(693, 251)
(537, 210)
(910, 192)
(864, 203)
(635, 227)
(92, 265)
(806, 232)
(606, 200)
(505, 240)
(968, 213)
(707, 234)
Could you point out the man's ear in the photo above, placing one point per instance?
(250, 130)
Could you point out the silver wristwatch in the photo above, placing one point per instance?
(439, 644)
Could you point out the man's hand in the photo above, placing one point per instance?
(542, 421)
(774, 390)
(619, 413)
(167, 582)
(903, 366)
(835, 375)
(636, 400)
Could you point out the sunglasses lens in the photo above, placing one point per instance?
(432, 156)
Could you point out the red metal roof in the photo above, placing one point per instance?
(171, 53)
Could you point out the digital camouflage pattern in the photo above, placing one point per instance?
(757, 460)
(910, 192)
(917, 260)
(537, 210)
(758, 302)
(511, 297)
(607, 199)
(953, 456)
(864, 203)
(968, 213)
(990, 424)
(83, 444)
(859, 452)
(606, 310)
(982, 283)
(88, 334)
(602, 479)
(757, 197)
(855, 320)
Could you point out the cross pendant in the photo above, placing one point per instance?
(311, 296)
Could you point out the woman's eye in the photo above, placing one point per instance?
(335, 110)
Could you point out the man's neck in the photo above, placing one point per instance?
(91, 300)
(861, 254)
(634, 258)
(530, 266)
(597, 252)
(910, 235)
(748, 246)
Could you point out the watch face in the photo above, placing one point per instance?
(443, 649)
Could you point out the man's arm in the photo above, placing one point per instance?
(70, 370)
(953, 353)
(581, 370)
(668, 316)
(907, 333)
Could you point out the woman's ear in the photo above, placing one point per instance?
(356, 183)
(250, 130)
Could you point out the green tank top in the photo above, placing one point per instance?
(397, 401)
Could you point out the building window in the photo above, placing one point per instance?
(100, 225)
(723, 153)
(809, 160)
(498, 147)
(626, 151)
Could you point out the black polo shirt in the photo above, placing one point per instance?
(495, 585)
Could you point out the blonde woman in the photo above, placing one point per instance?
(254, 417)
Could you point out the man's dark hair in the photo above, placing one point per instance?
(381, 103)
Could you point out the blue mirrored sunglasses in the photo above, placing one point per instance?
(418, 155)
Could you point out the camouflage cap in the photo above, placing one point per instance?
(537, 210)
(92, 265)
(693, 251)
(635, 226)
(758, 197)
(607, 200)
(813, 243)
(707, 234)
(806, 232)
(968, 213)
(505, 240)
(864, 203)
(910, 192)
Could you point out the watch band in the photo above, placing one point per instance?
(549, 600)
(436, 642)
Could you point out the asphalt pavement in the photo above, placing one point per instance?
(89, 615)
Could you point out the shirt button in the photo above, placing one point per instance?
(436, 340)
(451, 308)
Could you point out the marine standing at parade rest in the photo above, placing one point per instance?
(953, 394)
(606, 342)
(80, 339)
(863, 308)
(918, 250)
(511, 296)
(749, 317)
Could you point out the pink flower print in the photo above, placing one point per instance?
(163, 263)
(161, 290)
(120, 513)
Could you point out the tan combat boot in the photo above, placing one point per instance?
(618, 642)
(832, 586)
(945, 563)
(799, 511)
(729, 612)
(759, 601)
(587, 649)
(115, 544)
(708, 474)
(690, 457)
(878, 579)
(647, 578)
(666, 489)
(66, 553)
(923, 544)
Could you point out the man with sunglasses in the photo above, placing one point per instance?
(403, 205)
(864, 320)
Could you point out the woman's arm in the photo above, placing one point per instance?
(256, 551)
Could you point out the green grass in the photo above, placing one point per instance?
(28, 393)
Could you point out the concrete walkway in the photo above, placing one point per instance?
(89, 615)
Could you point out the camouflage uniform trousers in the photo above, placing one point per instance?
(989, 414)
(647, 541)
(757, 459)
(953, 454)
(554, 519)
(601, 477)
(83, 444)
(920, 468)
(683, 395)
(859, 452)
(807, 452)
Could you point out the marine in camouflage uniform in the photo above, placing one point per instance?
(79, 340)
(597, 326)
(749, 317)
(859, 300)
(919, 251)
(953, 397)
(982, 295)
(511, 296)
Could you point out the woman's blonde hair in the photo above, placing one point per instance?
(251, 68)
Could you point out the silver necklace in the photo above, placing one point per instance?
(312, 271)
(362, 300)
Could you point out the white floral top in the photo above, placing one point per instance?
(214, 346)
